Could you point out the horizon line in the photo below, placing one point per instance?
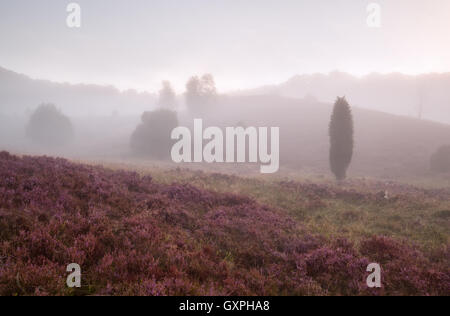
(146, 91)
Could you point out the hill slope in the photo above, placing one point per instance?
(385, 145)
(426, 95)
(132, 235)
(20, 94)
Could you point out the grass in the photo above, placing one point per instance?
(417, 213)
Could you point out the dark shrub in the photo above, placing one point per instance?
(152, 137)
(341, 138)
(440, 161)
(49, 127)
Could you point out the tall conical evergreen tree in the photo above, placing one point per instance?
(341, 138)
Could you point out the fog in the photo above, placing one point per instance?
(245, 44)
(387, 145)
(224, 148)
(271, 64)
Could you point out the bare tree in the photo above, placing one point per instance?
(201, 93)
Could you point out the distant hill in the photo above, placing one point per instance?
(386, 145)
(20, 94)
(392, 93)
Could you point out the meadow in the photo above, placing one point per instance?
(174, 231)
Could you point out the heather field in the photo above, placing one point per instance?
(167, 231)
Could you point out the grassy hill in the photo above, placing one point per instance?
(386, 145)
(175, 232)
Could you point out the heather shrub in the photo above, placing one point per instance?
(440, 160)
(152, 137)
(49, 127)
(338, 271)
(133, 236)
(406, 271)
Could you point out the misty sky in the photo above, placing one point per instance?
(247, 43)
